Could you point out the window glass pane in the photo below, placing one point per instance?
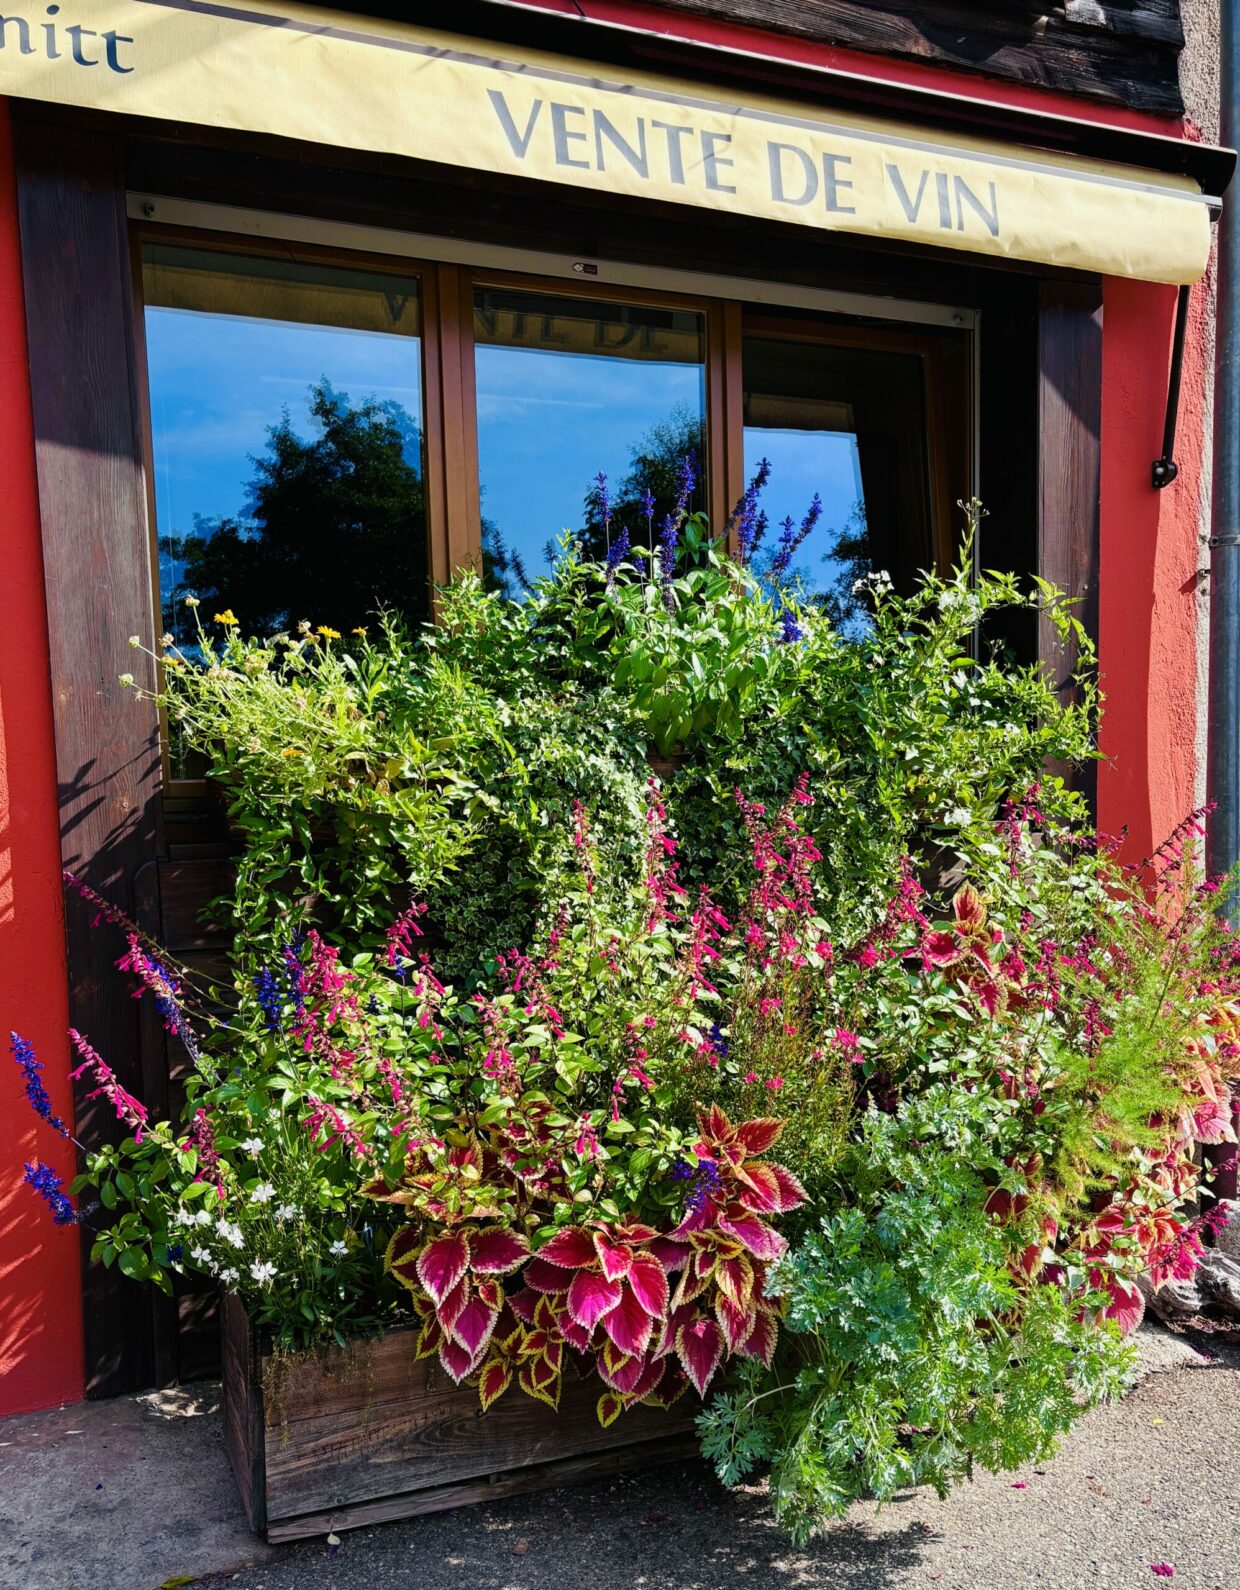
(848, 423)
(286, 418)
(568, 387)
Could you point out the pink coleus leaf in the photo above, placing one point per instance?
(628, 1324)
(571, 1249)
(449, 1310)
(736, 1323)
(614, 1258)
(522, 1305)
(649, 1284)
(621, 1371)
(635, 1233)
(699, 1347)
(473, 1326)
(759, 1188)
(576, 1335)
(757, 1136)
(651, 1377)
(671, 1255)
(457, 1360)
(590, 1297)
(496, 1251)
(546, 1277)
(791, 1192)
(759, 1239)
(442, 1263)
(760, 1343)
(1127, 1305)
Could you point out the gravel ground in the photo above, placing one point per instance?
(1152, 1480)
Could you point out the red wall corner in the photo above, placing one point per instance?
(40, 1286)
(1150, 582)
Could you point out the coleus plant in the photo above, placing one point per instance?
(603, 1289)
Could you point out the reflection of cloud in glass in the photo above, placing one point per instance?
(219, 382)
(548, 422)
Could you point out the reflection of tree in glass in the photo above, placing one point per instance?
(655, 465)
(503, 570)
(850, 558)
(334, 529)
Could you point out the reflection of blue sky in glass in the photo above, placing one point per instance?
(802, 463)
(548, 422)
(218, 383)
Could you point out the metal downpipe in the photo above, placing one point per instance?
(1223, 723)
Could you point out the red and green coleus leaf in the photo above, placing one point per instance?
(620, 1370)
(648, 1281)
(591, 1297)
(735, 1323)
(610, 1407)
(735, 1277)
(539, 1380)
(699, 1346)
(497, 1251)
(760, 1343)
(628, 1324)
(494, 1381)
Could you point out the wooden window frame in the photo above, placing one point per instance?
(441, 395)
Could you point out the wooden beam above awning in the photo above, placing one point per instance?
(346, 81)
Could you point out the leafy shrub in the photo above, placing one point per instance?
(747, 1065)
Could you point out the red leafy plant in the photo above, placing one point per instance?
(602, 1289)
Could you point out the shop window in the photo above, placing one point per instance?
(568, 387)
(286, 417)
(855, 416)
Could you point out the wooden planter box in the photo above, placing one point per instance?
(333, 1440)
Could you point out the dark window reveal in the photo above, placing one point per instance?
(850, 420)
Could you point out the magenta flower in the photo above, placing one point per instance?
(128, 1109)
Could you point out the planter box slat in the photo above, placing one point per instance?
(337, 1439)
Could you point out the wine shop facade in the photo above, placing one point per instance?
(912, 255)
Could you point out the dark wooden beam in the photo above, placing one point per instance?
(1069, 462)
(97, 571)
(1122, 53)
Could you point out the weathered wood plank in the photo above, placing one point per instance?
(349, 1427)
(1106, 51)
(1069, 461)
(442, 1498)
(97, 575)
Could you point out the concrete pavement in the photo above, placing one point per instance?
(136, 1494)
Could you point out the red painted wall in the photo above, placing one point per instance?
(1151, 563)
(40, 1297)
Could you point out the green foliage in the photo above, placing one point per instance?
(991, 1100)
(912, 1363)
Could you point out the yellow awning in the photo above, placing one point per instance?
(331, 78)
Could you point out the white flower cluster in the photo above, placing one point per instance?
(879, 579)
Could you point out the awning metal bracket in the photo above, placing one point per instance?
(1165, 469)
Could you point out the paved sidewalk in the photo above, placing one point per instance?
(130, 1495)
